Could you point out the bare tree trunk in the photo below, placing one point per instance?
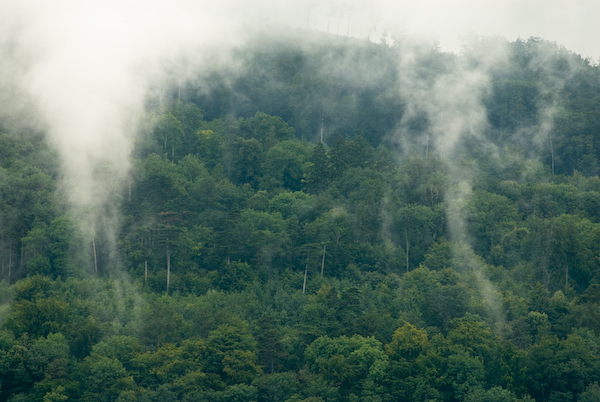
(323, 261)
(129, 189)
(305, 274)
(95, 255)
(146, 271)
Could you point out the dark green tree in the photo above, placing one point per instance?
(270, 349)
(248, 160)
(318, 173)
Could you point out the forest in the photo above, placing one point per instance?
(310, 225)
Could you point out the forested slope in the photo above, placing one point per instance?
(253, 262)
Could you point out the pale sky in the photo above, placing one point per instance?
(570, 23)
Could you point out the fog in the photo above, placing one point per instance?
(81, 71)
(83, 68)
(570, 23)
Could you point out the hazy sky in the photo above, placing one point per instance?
(572, 23)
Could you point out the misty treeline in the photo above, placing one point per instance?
(254, 262)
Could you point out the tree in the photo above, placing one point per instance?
(270, 349)
(559, 368)
(40, 317)
(34, 367)
(189, 115)
(277, 387)
(268, 130)
(418, 226)
(235, 276)
(360, 153)
(210, 146)
(161, 322)
(56, 395)
(495, 394)
(492, 216)
(338, 158)
(105, 378)
(417, 379)
(318, 173)
(248, 160)
(346, 360)
(169, 132)
(407, 343)
(285, 165)
(265, 232)
(464, 373)
(591, 393)
(231, 353)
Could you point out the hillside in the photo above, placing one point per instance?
(442, 243)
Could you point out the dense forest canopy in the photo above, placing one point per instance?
(321, 219)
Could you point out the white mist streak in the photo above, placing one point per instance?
(81, 72)
(87, 71)
(451, 97)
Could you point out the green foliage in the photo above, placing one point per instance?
(248, 161)
(269, 343)
(285, 165)
(161, 322)
(235, 276)
(346, 360)
(318, 172)
(231, 352)
(326, 272)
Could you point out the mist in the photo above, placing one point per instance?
(297, 200)
(83, 72)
